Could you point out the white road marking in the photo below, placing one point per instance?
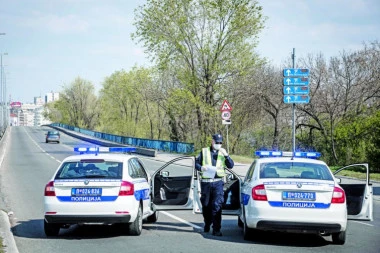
(181, 220)
(363, 223)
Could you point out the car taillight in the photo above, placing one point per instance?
(259, 193)
(49, 189)
(338, 196)
(126, 189)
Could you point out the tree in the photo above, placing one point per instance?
(207, 42)
(79, 102)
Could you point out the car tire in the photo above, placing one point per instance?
(153, 217)
(240, 222)
(247, 232)
(339, 238)
(135, 227)
(51, 229)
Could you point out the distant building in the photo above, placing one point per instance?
(30, 115)
(52, 96)
(38, 101)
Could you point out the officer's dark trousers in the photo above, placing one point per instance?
(212, 198)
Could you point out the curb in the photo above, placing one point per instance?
(6, 233)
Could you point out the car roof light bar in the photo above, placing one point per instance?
(96, 150)
(265, 153)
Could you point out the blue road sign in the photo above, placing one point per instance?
(296, 81)
(295, 99)
(296, 72)
(296, 90)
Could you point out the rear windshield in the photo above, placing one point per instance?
(295, 170)
(73, 170)
(53, 133)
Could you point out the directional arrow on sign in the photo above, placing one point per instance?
(296, 90)
(290, 99)
(296, 81)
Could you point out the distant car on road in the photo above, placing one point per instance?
(52, 136)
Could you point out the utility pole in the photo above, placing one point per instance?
(2, 90)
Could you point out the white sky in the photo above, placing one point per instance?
(51, 42)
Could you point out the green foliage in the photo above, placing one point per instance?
(373, 147)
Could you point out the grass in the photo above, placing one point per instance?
(349, 173)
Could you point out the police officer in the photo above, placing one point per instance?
(212, 195)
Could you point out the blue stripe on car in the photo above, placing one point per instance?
(298, 204)
(139, 194)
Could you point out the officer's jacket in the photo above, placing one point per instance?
(228, 162)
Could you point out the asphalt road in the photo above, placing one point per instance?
(29, 163)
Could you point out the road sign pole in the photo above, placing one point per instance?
(228, 150)
(293, 110)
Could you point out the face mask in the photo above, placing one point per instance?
(217, 146)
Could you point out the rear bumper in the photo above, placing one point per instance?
(298, 227)
(71, 219)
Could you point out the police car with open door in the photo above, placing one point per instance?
(176, 186)
(281, 191)
(295, 192)
(99, 186)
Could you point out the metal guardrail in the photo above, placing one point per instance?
(166, 146)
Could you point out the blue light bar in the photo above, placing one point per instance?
(312, 155)
(86, 149)
(95, 150)
(264, 153)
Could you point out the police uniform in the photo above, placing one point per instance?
(212, 195)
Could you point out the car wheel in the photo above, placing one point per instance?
(51, 229)
(135, 227)
(339, 238)
(247, 232)
(153, 217)
(240, 222)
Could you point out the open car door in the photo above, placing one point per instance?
(172, 185)
(232, 189)
(359, 193)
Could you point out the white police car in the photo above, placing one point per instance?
(280, 192)
(300, 194)
(99, 188)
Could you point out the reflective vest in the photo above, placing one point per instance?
(220, 162)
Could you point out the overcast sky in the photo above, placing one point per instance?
(51, 42)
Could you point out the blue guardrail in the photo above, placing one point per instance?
(167, 146)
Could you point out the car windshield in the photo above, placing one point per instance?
(295, 170)
(53, 133)
(76, 170)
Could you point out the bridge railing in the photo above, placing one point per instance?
(167, 146)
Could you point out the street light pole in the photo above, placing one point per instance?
(2, 91)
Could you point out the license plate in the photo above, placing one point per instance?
(86, 192)
(298, 196)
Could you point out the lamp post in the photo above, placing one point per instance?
(2, 91)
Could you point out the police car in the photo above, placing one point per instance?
(99, 188)
(295, 192)
(282, 191)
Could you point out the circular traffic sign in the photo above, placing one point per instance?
(226, 115)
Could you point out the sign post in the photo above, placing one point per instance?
(296, 91)
(226, 118)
